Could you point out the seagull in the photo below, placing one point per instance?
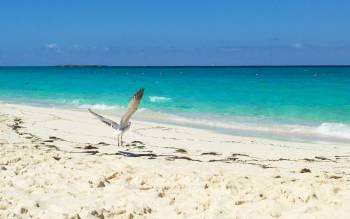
(124, 121)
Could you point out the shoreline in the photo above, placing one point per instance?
(266, 130)
(62, 163)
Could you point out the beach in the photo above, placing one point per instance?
(174, 110)
(64, 163)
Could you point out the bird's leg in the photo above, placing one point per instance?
(118, 140)
(121, 140)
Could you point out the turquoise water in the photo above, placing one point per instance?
(302, 102)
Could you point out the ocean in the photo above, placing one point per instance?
(290, 103)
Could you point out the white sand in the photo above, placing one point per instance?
(46, 172)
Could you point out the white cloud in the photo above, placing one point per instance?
(297, 45)
(53, 47)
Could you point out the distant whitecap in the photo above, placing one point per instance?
(159, 99)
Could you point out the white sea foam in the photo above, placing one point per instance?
(98, 106)
(338, 130)
(75, 102)
(159, 99)
(142, 109)
(79, 103)
(324, 132)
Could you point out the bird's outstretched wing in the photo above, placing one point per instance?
(134, 103)
(105, 120)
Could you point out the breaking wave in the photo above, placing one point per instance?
(338, 130)
(326, 132)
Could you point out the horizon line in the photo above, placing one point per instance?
(165, 66)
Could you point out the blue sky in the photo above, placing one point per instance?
(177, 32)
